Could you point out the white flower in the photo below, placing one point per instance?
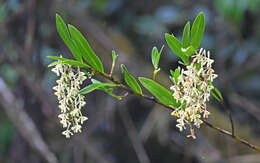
(57, 69)
(65, 123)
(83, 119)
(70, 102)
(67, 133)
(76, 128)
(193, 91)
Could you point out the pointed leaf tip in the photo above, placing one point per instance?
(84, 48)
(65, 36)
(197, 30)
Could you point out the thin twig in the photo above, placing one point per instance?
(151, 98)
(224, 105)
(238, 139)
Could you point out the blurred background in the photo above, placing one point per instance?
(131, 130)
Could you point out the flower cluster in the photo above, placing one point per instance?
(192, 90)
(70, 102)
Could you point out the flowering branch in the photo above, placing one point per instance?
(186, 99)
(151, 98)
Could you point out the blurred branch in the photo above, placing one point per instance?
(245, 104)
(93, 149)
(30, 30)
(149, 123)
(35, 85)
(245, 158)
(202, 147)
(228, 110)
(251, 64)
(134, 137)
(24, 123)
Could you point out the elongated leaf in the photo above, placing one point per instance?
(158, 91)
(70, 62)
(216, 94)
(176, 46)
(197, 30)
(64, 34)
(105, 89)
(85, 50)
(186, 35)
(130, 80)
(155, 57)
(95, 86)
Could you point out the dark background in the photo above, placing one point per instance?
(131, 130)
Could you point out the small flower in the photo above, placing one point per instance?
(67, 133)
(76, 128)
(83, 119)
(192, 133)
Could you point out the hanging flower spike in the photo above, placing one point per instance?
(70, 102)
(193, 91)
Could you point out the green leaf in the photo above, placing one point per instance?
(107, 90)
(216, 94)
(130, 80)
(176, 46)
(64, 34)
(186, 35)
(156, 57)
(197, 30)
(95, 86)
(175, 74)
(189, 51)
(70, 62)
(158, 91)
(76, 63)
(82, 45)
(114, 56)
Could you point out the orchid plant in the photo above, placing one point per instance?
(187, 97)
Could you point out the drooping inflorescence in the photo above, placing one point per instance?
(70, 102)
(192, 90)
